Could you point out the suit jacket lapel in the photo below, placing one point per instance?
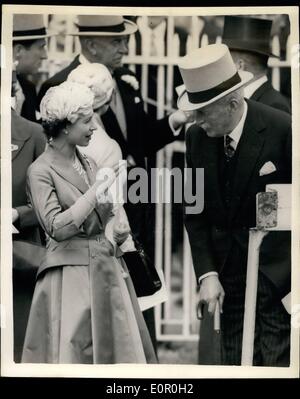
(19, 136)
(250, 146)
(127, 95)
(112, 128)
(210, 156)
(103, 210)
(65, 169)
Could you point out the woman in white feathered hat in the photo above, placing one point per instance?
(104, 150)
(84, 308)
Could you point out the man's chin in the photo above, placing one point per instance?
(212, 134)
(117, 65)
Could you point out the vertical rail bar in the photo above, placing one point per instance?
(276, 69)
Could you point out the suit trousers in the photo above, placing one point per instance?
(272, 329)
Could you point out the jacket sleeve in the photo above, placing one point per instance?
(197, 226)
(58, 223)
(158, 134)
(27, 216)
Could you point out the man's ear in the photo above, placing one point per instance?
(240, 64)
(233, 105)
(18, 51)
(89, 44)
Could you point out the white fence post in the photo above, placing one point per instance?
(275, 70)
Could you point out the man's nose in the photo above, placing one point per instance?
(44, 53)
(123, 46)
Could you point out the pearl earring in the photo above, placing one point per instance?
(66, 131)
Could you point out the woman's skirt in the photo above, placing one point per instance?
(87, 314)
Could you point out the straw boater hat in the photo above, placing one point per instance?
(29, 27)
(209, 74)
(103, 25)
(248, 34)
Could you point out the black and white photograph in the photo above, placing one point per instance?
(150, 192)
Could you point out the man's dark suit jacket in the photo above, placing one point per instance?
(30, 105)
(28, 143)
(266, 94)
(266, 137)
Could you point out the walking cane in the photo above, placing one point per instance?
(273, 213)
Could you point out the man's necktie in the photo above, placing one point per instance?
(117, 107)
(228, 148)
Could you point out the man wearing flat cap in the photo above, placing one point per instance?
(249, 40)
(29, 50)
(104, 39)
(242, 146)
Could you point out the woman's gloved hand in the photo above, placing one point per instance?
(121, 232)
(105, 178)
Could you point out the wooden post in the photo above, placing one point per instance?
(273, 209)
(255, 239)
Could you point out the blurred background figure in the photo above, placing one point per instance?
(29, 50)
(58, 25)
(27, 143)
(213, 27)
(249, 42)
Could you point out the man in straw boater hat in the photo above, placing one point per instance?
(29, 50)
(249, 40)
(242, 146)
(104, 39)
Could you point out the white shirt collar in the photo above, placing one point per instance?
(236, 134)
(251, 88)
(83, 59)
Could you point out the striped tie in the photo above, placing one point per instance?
(228, 148)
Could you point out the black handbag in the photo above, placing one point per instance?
(142, 271)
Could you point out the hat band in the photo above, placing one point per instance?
(206, 95)
(32, 32)
(114, 28)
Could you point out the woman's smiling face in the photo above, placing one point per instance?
(80, 132)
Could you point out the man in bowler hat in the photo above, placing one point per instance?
(104, 39)
(249, 42)
(29, 50)
(242, 146)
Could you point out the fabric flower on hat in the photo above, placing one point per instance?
(98, 78)
(131, 80)
(68, 101)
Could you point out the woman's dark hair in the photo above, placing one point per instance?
(53, 128)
